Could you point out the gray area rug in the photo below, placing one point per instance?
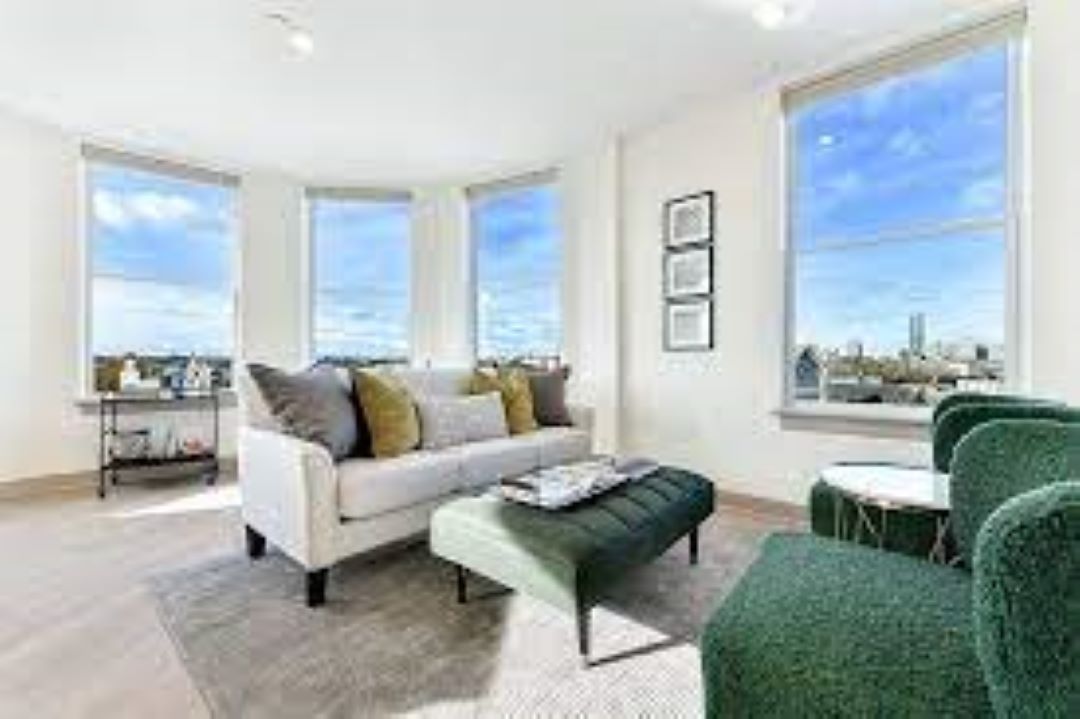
(393, 641)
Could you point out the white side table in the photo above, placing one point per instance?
(888, 488)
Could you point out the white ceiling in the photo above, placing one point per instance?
(403, 90)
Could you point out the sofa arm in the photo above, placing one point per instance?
(582, 417)
(289, 494)
(1027, 603)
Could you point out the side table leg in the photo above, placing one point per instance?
(462, 588)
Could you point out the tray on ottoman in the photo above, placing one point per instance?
(569, 558)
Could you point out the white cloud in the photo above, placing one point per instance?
(983, 194)
(907, 144)
(121, 210)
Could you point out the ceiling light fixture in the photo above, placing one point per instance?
(772, 14)
(300, 41)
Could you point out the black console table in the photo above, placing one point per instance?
(111, 465)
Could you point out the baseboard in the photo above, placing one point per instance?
(73, 482)
(760, 505)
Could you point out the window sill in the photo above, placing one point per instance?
(866, 420)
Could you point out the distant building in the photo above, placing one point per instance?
(917, 334)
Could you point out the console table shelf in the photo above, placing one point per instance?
(110, 410)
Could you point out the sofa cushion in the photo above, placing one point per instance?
(549, 396)
(390, 414)
(513, 385)
(819, 627)
(484, 463)
(369, 487)
(559, 445)
(450, 421)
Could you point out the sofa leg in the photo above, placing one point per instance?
(256, 543)
(462, 589)
(694, 546)
(582, 616)
(316, 587)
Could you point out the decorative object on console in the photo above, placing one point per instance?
(314, 405)
(390, 413)
(688, 220)
(130, 377)
(688, 326)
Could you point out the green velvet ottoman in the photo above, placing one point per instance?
(570, 558)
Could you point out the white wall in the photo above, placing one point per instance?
(1054, 29)
(715, 412)
(41, 430)
(589, 184)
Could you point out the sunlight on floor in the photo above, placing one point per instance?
(213, 499)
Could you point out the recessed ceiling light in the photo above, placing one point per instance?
(772, 14)
(300, 41)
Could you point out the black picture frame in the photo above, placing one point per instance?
(706, 200)
(704, 344)
(682, 254)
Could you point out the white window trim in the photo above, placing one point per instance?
(90, 154)
(478, 191)
(309, 281)
(1004, 27)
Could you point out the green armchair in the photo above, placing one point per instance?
(818, 627)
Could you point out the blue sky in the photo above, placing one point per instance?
(918, 150)
(518, 272)
(163, 260)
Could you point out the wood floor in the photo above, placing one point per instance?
(79, 633)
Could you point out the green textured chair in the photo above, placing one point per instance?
(956, 415)
(819, 627)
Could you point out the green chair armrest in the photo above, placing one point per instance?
(1027, 603)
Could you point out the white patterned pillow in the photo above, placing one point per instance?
(449, 421)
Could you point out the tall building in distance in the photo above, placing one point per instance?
(917, 334)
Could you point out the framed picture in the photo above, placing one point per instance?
(688, 273)
(689, 220)
(688, 326)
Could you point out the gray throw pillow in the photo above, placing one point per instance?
(313, 405)
(549, 397)
(450, 421)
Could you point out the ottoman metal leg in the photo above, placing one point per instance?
(694, 546)
(462, 590)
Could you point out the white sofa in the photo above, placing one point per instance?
(319, 512)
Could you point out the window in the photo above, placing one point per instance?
(518, 253)
(900, 226)
(161, 247)
(360, 272)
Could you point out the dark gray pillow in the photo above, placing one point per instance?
(313, 405)
(549, 396)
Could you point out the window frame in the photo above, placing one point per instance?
(479, 191)
(1007, 28)
(91, 154)
(312, 194)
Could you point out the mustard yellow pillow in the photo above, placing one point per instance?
(513, 387)
(390, 413)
